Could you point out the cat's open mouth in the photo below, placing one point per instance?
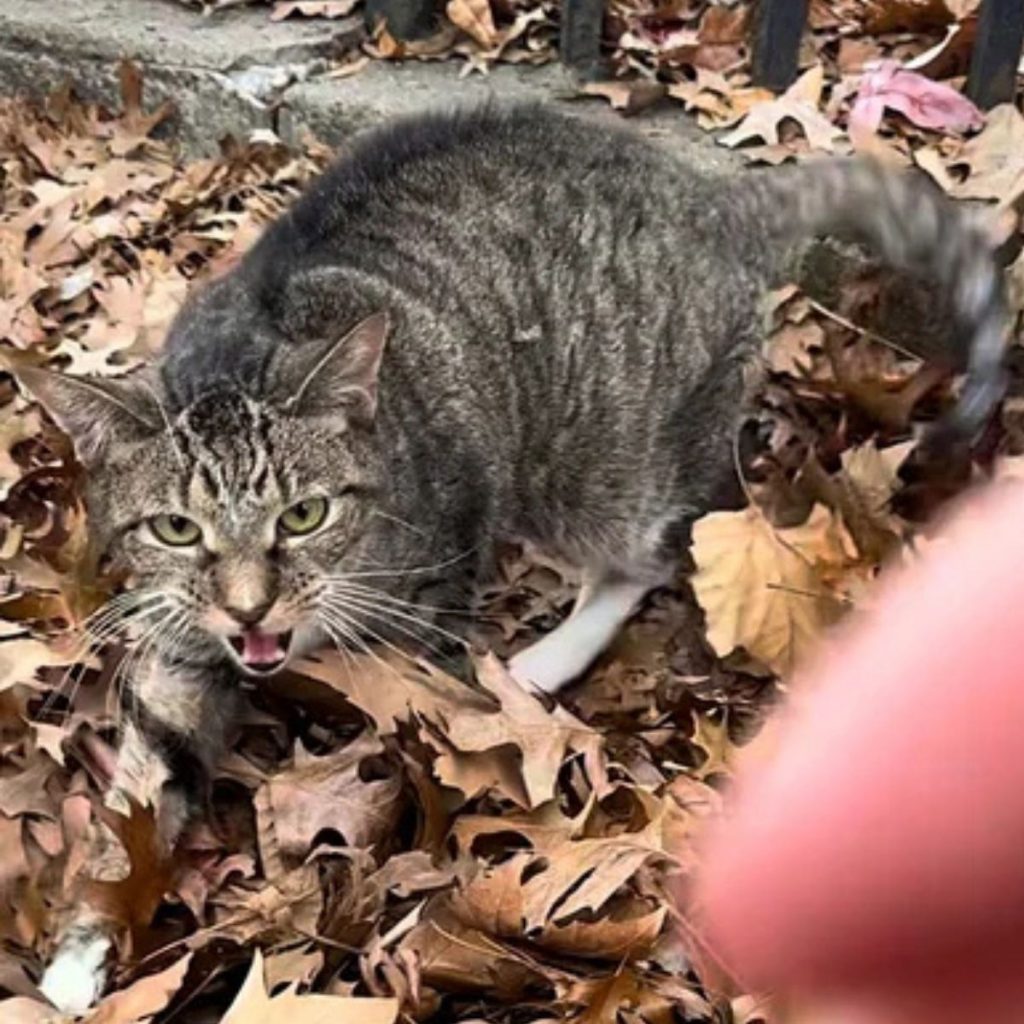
(261, 652)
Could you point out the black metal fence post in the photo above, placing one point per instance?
(996, 53)
(778, 26)
(580, 42)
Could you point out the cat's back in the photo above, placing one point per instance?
(474, 168)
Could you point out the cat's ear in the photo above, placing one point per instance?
(341, 376)
(95, 412)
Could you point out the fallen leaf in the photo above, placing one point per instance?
(764, 589)
(629, 96)
(790, 346)
(542, 739)
(143, 998)
(882, 16)
(874, 471)
(252, 1005)
(797, 104)
(994, 158)
(475, 19)
(328, 792)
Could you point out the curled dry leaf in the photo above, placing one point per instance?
(392, 690)
(538, 893)
(767, 590)
(874, 472)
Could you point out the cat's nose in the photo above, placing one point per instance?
(251, 615)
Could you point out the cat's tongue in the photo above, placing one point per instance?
(263, 649)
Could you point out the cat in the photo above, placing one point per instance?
(485, 323)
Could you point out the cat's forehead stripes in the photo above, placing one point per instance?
(227, 441)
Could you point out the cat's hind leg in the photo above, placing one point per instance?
(603, 606)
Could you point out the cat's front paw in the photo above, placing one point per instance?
(75, 977)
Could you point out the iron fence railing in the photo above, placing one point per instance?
(775, 43)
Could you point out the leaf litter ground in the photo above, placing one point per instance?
(383, 841)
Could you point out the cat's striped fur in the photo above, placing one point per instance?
(498, 322)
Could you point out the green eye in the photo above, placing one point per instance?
(303, 517)
(175, 531)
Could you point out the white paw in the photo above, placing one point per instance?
(74, 980)
(536, 668)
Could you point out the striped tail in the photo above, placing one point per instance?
(906, 220)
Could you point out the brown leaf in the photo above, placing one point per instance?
(563, 874)
(542, 738)
(143, 998)
(329, 792)
(797, 104)
(132, 901)
(452, 955)
(252, 1005)
(994, 158)
(392, 691)
(629, 96)
(790, 346)
(883, 16)
(873, 472)
(764, 589)
(25, 792)
(475, 19)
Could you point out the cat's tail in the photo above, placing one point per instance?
(905, 219)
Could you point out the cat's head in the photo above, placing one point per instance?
(233, 517)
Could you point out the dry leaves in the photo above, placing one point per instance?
(385, 841)
(253, 1005)
(768, 590)
(798, 105)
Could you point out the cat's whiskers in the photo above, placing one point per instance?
(378, 607)
(344, 580)
(335, 622)
(97, 630)
(363, 573)
(347, 606)
(354, 627)
(143, 646)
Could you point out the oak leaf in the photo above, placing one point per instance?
(328, 792)
(994, 158)
(253, 1005)
(799, 103)
(543, 739)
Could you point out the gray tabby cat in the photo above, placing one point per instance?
(498, 323)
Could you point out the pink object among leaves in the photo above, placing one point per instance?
(928, 104)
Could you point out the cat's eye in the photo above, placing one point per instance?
(175, 531)
(303, 517)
